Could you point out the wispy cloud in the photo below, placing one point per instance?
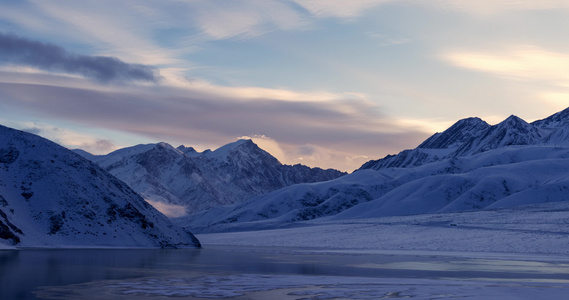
(339, 8)
(489, 7)
(540, 73)
(126, 30)
(15, 50)
(132, 23)
(524, 63)
(67, 137)
(560, 100)
(245, 18)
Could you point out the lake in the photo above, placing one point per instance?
(276, 273)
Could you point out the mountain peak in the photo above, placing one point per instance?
(189, 151)
(513, 120)
(223, 152)
(515, 125)
(238, 143)
(143, 150)
(456, 135)
(512, 131)
(186, 149)
(242, 142)
(471, 120)
(134, 149)
(164, 144)
(166, 147)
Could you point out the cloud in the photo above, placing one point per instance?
(130, 29)
(339, 8)
(98, 146)
(537, 73)
(522, 63)
(68, 138)
(308, 154)
(132, 24)
(345, 123)
(245, 18)
(15, 50)
(169, 210)
(312, 155)
(489, 7)
(270, 145)
(556, 99)
(306, 150)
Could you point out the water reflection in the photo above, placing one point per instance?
(22, 271)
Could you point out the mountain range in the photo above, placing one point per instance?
(52, 197)
(470, 166)
(472, 136)
(192, 181)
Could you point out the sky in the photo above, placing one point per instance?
(325, 83)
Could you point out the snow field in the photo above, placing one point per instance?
(538, 229)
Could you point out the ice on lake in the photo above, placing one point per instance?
(231, 272)
(262, 286)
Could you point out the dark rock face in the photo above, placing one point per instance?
(9, 155)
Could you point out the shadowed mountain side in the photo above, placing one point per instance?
(52, 197)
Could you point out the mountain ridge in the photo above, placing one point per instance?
(473, 135)
(198, 181)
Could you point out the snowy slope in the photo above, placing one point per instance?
(538, 229)
(198, 181)
(504, 177)
(487, 187)
(52, 197)
(295, 203)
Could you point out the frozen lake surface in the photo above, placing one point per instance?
(237, 272)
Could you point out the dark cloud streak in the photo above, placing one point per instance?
(24, 52)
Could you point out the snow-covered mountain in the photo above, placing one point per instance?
(198, 181)
(473, 135)
(436, 147)
(52, 197)
(512, 131)
(470, 166)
